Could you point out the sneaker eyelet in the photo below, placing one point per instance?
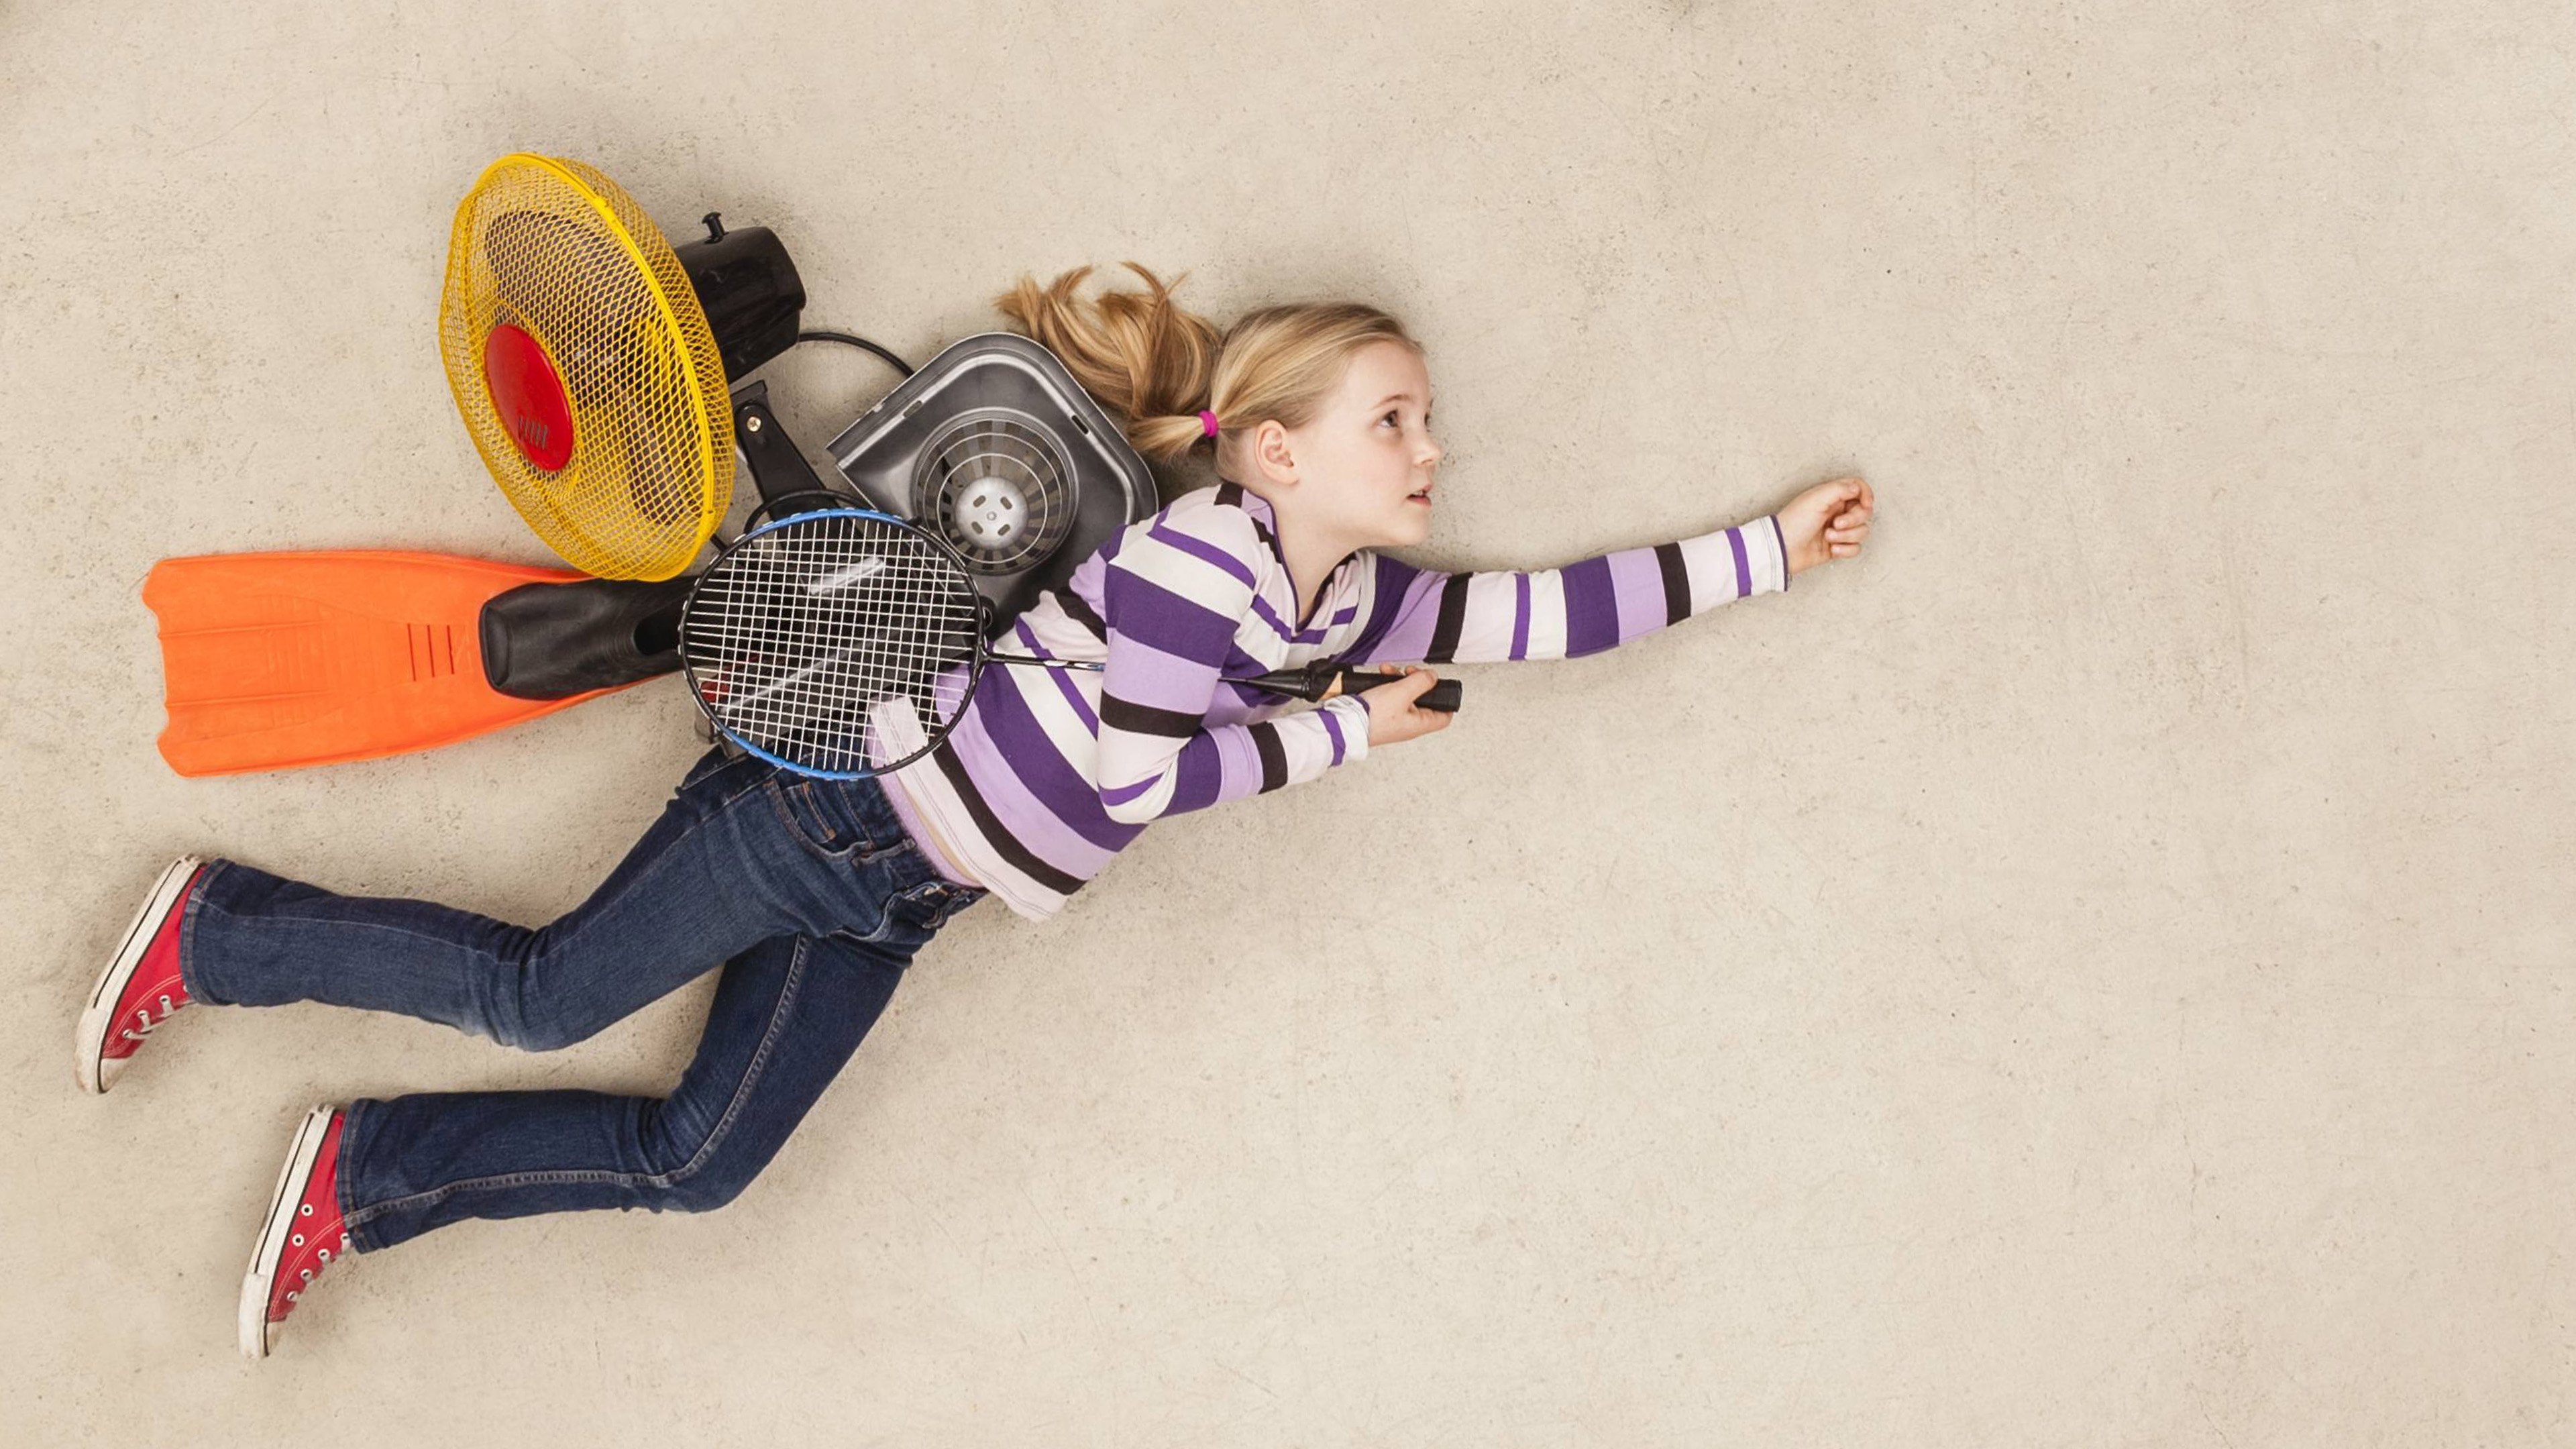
(299, 1240)
(304, 1209)
(290, 1295)
(308, 1275)
(326, 1255)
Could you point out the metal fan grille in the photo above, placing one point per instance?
(996, 484)
(795, 635)
(555, 250)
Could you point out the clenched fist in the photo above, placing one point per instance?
(1827, 521)
(1392, 717)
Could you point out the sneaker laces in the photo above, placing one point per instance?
(333, 1226)
(144, 1021)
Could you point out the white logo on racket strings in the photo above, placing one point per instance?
(839, 579)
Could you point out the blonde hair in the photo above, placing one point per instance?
(1160, 364)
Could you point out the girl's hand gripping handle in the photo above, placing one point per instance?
(1403, 708)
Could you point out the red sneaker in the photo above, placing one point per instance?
(143, 974)
(302, 1233)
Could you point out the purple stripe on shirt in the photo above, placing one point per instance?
(1242, 773)
(1743, 570)
(1406, 611)
(1520, 616)
(1637, 582)
(1235, 704)
(1065, 686)
(1201, 548)
(1333, 727)
(1162, 680)
(1591, 607)
(1042, 831)
(1327, 626)
(1028, 638)
(1198, 770)
(1044, 774)
(1139, 608)
(1386, 594)
(1270, 616)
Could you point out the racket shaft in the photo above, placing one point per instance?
(1318, 681)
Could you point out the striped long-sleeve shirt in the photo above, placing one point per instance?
(1050, 772)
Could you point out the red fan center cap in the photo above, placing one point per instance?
(529, 396)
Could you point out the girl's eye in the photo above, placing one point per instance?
(1390, 417)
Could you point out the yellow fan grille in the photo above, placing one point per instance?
(556, 250)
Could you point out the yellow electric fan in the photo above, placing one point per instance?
(585, 369)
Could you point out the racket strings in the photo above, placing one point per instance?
(801, 632)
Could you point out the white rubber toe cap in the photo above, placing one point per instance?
(91, 1066)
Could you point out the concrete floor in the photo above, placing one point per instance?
(2095, 970)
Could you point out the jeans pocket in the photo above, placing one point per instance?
(930, 904)
(821, 818)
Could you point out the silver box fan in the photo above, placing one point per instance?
(993, 446)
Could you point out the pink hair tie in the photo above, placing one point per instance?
(1207, 425)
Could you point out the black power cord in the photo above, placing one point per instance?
(847, 340)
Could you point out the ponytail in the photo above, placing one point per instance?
(1160, 365)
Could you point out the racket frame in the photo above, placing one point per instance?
(934, 737)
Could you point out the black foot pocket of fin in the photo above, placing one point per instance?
(553, 641)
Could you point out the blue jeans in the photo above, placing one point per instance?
(806, 891)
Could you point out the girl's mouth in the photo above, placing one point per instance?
(1423, 498)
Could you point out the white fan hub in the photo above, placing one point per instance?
(990, 512)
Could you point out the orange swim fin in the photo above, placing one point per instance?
(274, 660)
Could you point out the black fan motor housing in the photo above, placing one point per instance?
(749, 290)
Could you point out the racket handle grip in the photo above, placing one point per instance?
(1442, 696)
(1322, 680)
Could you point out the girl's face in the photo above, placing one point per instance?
(1363, 464)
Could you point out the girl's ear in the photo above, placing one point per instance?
(1270, 453)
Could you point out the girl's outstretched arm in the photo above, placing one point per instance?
(1562, 613)
(1172, 599)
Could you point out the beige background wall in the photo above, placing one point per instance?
(2096, 970)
